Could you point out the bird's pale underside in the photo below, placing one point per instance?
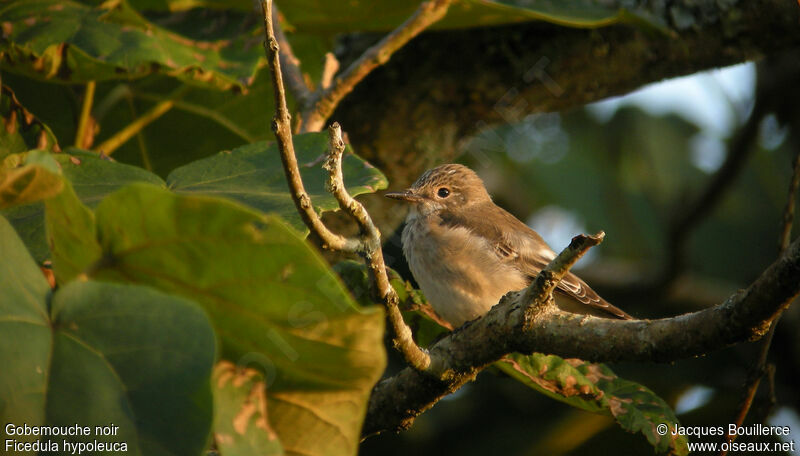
(465, 252)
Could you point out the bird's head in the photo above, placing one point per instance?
(450, 187)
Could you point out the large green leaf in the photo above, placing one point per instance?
(595, 388)
(273, 300)
(103, 355)
(72, 42)
(92, 177)
(24, 332)
(253, 175)
(241, 424)
(21, 130)
(320, 16)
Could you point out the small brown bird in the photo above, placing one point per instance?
(466, 252)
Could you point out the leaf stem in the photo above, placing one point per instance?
(121, 137)
(81, 140)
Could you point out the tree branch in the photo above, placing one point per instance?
(368, 244)
(281, 125)
(370, 249)
(317, 111)
(516, 325)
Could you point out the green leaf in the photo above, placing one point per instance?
(105, 353)
(314, 16)
(596, 388)
(71, 235)
(72, 42)
(33, 181)
(21, 130)
(241, 425)
(24, 332)
(92, 177)
(273, 300)
(253, 175)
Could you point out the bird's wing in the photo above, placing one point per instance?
(518, 244)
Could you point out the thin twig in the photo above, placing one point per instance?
(281, 125)
(759, 369)
(372, 253)
(368, 245)
(84, 119)
(323, 103)
(121, 137)
(290, 63)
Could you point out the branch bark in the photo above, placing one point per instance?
(514, 325)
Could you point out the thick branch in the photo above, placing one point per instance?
(513, 325)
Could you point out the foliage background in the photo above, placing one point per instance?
(627, 175)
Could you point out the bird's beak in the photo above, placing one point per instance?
(406, 195)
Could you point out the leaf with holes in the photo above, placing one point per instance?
(596, 388)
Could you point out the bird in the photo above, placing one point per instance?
(465, 252)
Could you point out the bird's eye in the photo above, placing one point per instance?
(443, 192)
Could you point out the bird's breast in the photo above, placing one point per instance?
(458, 271)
